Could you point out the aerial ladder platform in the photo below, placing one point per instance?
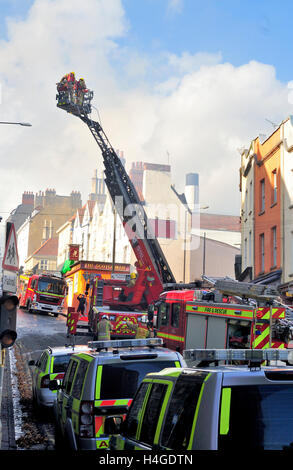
(153, 270)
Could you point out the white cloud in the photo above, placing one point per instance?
(175, 6)
(199, 109)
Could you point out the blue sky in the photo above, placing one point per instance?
(241, 31)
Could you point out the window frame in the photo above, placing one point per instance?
(262, 195)
(72, 366)
(140, 411)
(199, 380)
(175, 315)
(167, 306)
(160, 418)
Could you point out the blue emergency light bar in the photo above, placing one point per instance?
(254, 355)
(125, 343)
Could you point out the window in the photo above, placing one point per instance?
(261, 416)
(163, 228)
(249, 249)
(44, 264)
(152, 413)
(163, 314)
(274, 186)
(68, 379)
(274, 246)
(179, 419)
(127, 376)
(60, 363)
(79, 379)
(262, 252)
(43, 362)
(175, 315)
(52, 286)
(131, 422)
(262, 195)
(250, 196)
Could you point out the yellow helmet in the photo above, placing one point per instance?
(82, 79)
(133, 275)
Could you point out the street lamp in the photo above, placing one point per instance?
(27, 124)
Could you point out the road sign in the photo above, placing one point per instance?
(10, 259)
(9, 281)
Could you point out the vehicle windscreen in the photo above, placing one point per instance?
(257, 417)
(122, 380)
(60, 363)
(51, 286)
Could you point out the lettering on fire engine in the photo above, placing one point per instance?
(215, 310)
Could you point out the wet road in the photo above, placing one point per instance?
(35, 332)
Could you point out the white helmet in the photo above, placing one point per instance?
(105, 317)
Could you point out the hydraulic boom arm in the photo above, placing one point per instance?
(152, 263)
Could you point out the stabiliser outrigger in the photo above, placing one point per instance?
(152, 267)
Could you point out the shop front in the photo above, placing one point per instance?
(82, 272)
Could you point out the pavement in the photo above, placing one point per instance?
(7, 416)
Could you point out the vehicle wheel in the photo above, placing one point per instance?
(56, 315)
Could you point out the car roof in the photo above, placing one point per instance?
(63, 350)
(229, 372)
(162, 353)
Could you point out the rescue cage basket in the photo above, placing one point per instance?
(125, 343)
(255, 355)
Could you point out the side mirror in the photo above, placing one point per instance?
(54, 385)
(113, 424)
(31, 362)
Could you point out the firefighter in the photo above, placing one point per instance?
(82, 303)
(71, 85)
(80, 91)
(132, 280)
(104, 328)
(140, 332)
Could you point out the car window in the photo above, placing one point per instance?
(175, 313)
(133, 415)
(68, 379)
(259, 415)
(43, 362)
(79, 379)
(60, 363)
(152, 413)
(180, 414)
(163, 314)
(38, 363)
(127, 377)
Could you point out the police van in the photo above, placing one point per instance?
(101, 383)
(212, 408)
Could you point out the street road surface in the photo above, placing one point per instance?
(35, 332)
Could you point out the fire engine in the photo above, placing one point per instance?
(231, 314)
(118, 298)
(42, 293)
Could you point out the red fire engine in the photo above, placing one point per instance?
(42, 293)
(233, 315)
